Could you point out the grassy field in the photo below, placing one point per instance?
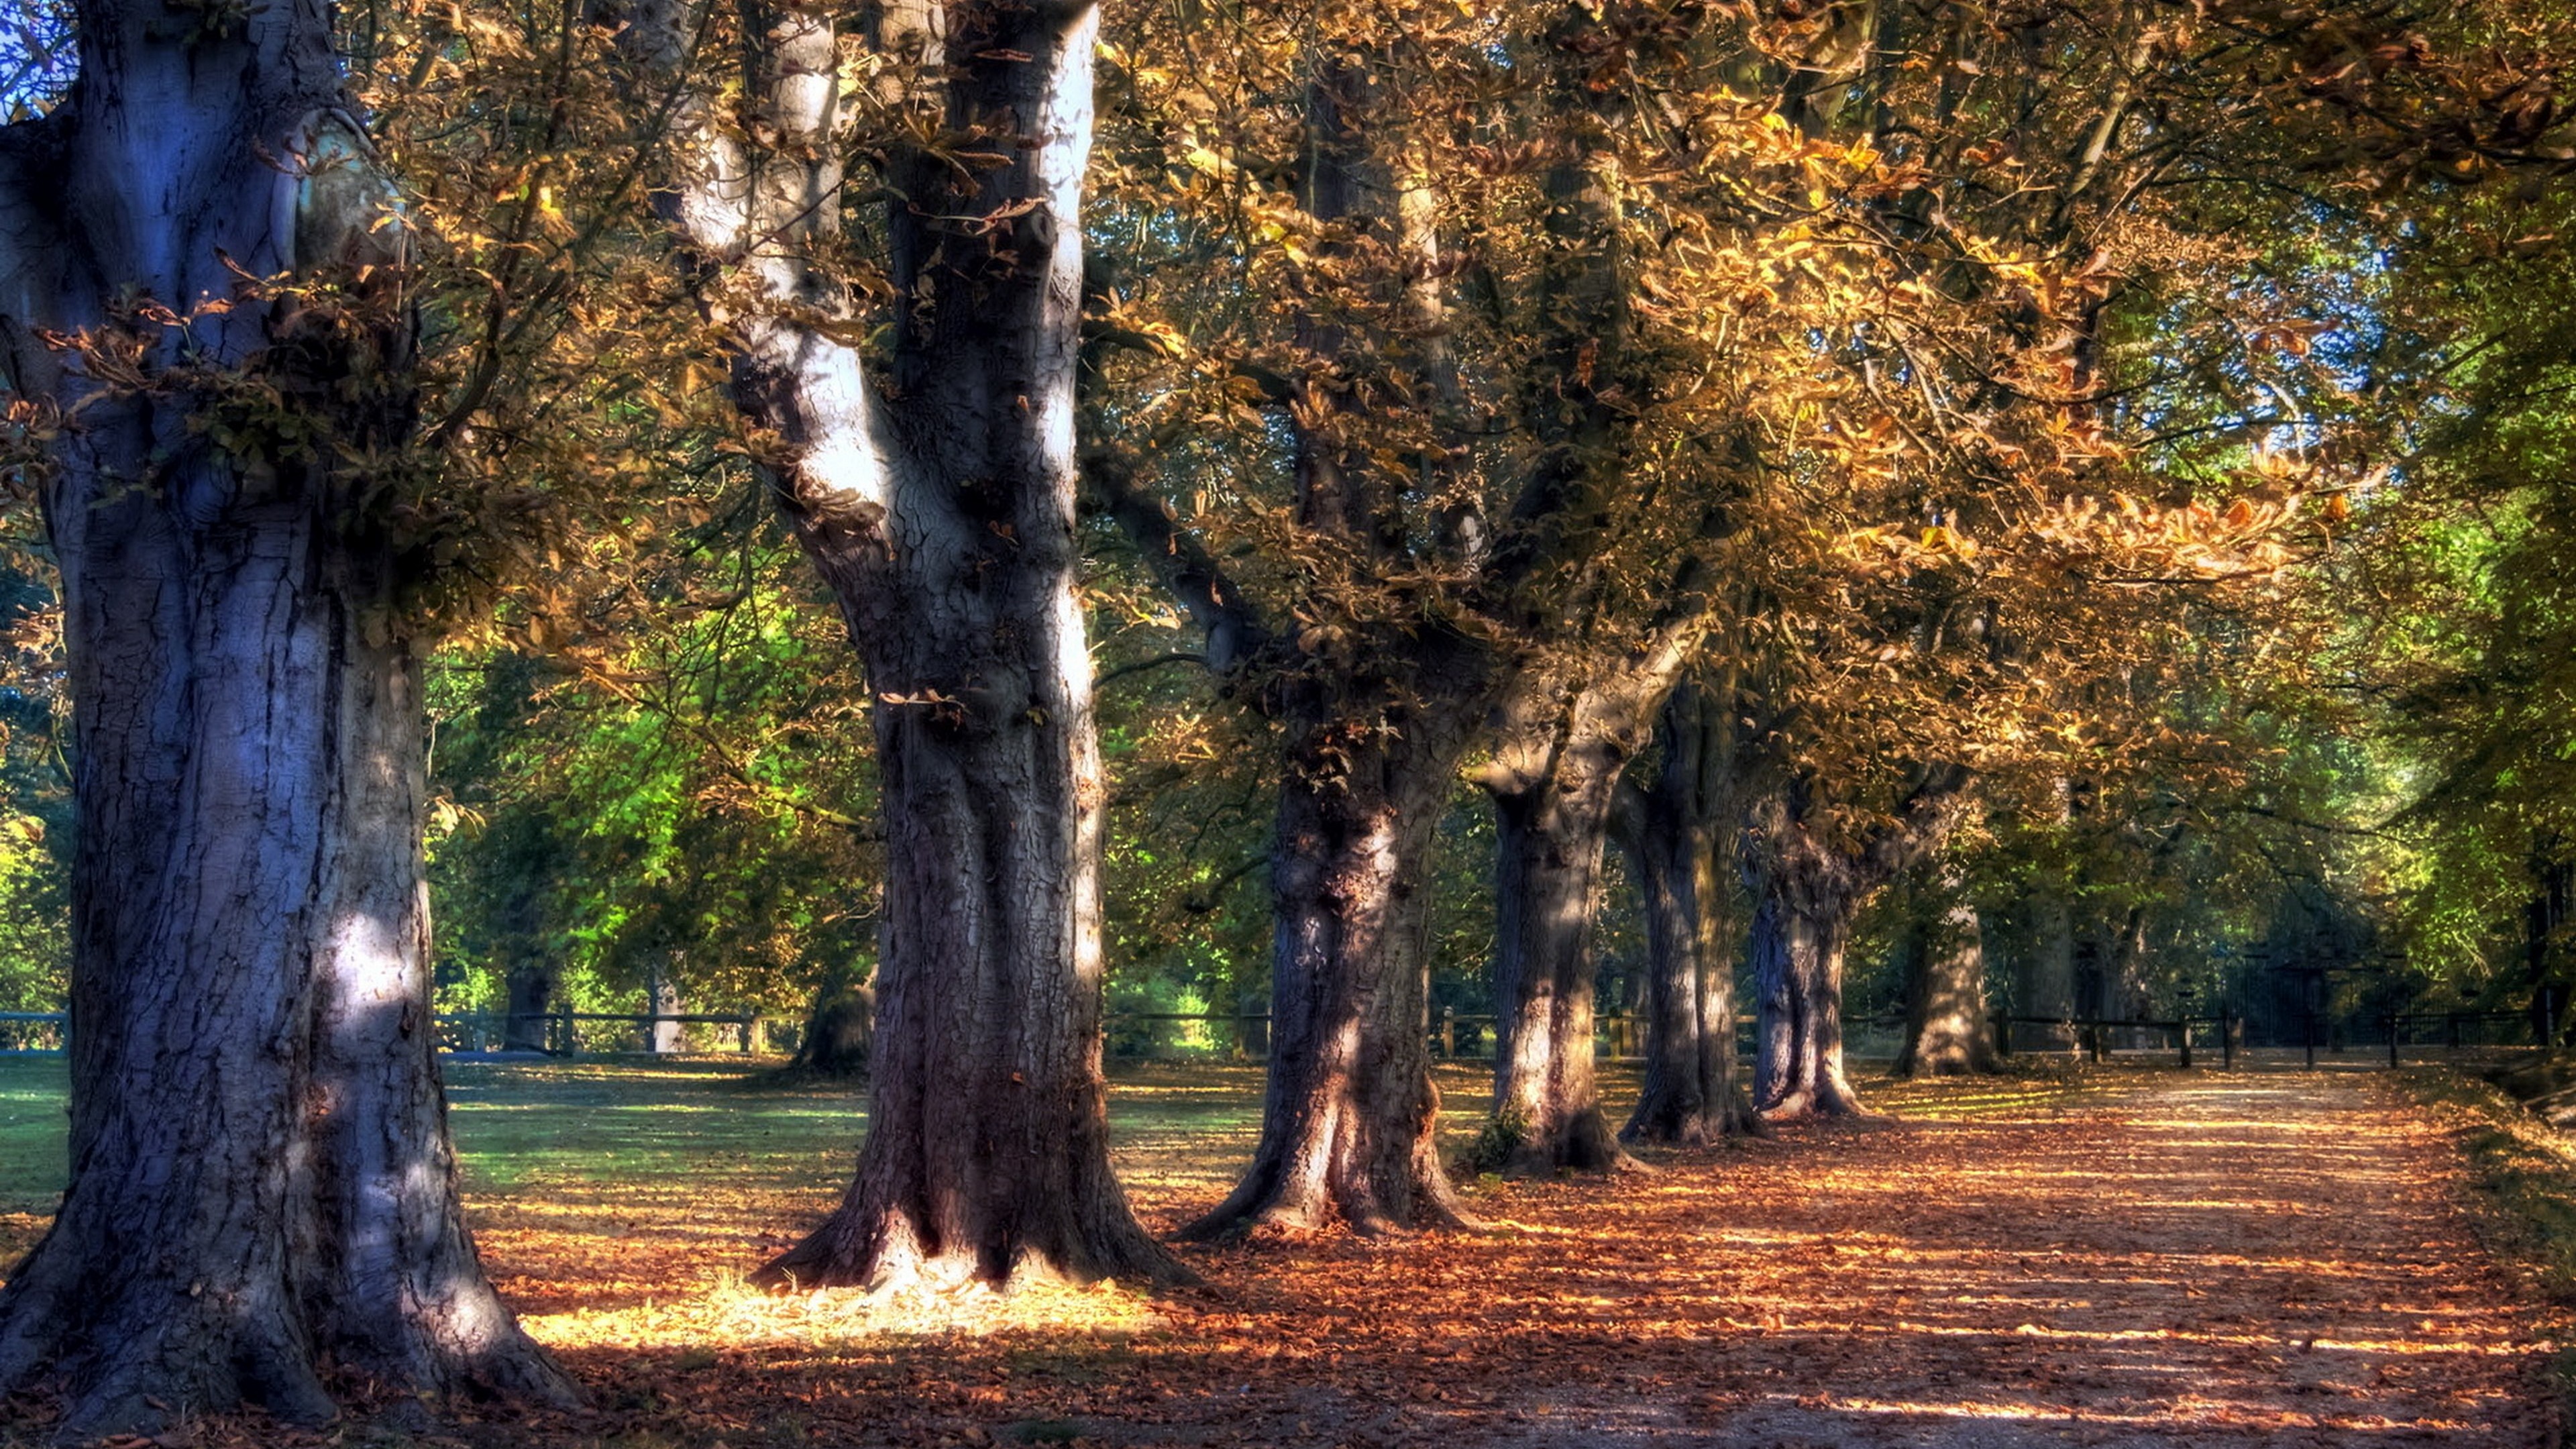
(606, 1149)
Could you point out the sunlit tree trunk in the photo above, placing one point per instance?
(1377, 716)
(1552, 832)
(261, 1182)
(1946, 1028)
(1692, 1096)
(941, 512)
(1349, 1113)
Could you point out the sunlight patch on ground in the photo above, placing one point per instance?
(734, 1315)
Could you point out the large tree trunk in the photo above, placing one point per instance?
(1810, 882)
(942, 516)
(1552, 832)
(1800, 929)
(1945, 991)
(1350, 1115)
(261, 1182)
(1691, 1096)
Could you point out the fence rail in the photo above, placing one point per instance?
(1454, 1036)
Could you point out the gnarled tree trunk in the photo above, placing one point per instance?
(261, 1181)
(1810, 883)
(1801, 924)
(1349, 1114)
(1691, 1096)
(942, 515)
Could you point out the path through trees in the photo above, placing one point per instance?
(2278, 1259)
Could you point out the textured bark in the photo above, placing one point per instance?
(1691, 1096)
(1349, 1115)
(1809, 886)
(261, 1180)
(1801, 924)
(1566, 735)
(1946, 1030)
(1377, 715)
(941, 513)
(1551, 836)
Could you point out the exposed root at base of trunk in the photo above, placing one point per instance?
(1694, 1125)
(1915, 1067)
(1817, 1101)
(1262, 1206)
(1583, 1145)
(146, 1358)
(879, 1252)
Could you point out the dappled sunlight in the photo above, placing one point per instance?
(2141, 1251)
(2139, 1255)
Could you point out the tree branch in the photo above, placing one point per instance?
(1233, 629)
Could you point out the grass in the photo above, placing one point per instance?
(610, 1146)
(604, 1143)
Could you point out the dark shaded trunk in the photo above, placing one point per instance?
(1551, 833)
(941, 513)
(2045, 984)
(1946, 1028)
(1691, 1095)
(261, 1182)
(840, 1032)
(530, 993)
(1800, 929)
(1349, 1116)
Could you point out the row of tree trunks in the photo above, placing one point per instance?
(941, 513)
(262, 1189)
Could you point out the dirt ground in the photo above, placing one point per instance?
(2151, 1259)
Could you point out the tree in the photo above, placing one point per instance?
(202, 328)
(1676, 832)
(939, 506)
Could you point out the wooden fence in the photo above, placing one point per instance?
(1457, 1036)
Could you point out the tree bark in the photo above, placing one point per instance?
(1809, 886)
(1349, 1117)
(1945, 998)
(1551, 834)
(1801, 924)
(261, 1178)
(941, 513)
(1692, 1097)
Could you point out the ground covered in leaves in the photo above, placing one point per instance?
(2132, 1258)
